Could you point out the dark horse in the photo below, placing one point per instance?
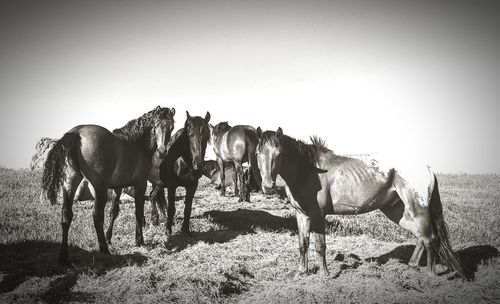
(183, 165)
(108, 161)
(319, 182)
(237, 145)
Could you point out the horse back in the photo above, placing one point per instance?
(234, 143)
(105, 157)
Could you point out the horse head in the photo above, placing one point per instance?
(218, 130)
(268, 152)
(197, 131)
(162, 126)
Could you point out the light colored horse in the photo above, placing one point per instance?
(319, 182)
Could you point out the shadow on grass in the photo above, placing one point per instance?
(249, 220)
(235, 223)
(20, 261)
(471, 257)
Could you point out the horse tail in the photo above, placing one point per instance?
(438, 224)
(251, 143)
(55, 164)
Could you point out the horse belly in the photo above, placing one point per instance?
(130, 167)
(361, 197)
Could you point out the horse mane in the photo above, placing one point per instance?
(318, 141)
(221, 127)
(311, 152)
(134, 129)
(174, 138)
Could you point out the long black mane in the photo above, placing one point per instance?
(311, 152)
(134, 130)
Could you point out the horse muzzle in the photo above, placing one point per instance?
(162, 151)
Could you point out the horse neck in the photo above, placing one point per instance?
(294, 166)
(146, 143)
(218, 139)
(180, 148)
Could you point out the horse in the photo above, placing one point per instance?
(212, 171)
(320, 182)
(237, 145)
(183, 165)
(108, 161)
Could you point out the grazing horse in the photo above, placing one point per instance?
(108, 161)
(319, 182)
(237, 145)
(183, 165)
(212, 171)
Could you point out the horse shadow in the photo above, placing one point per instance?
(250, 220)
(470, 257)
(234, 223)
(23, 260)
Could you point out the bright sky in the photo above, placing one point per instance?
(419, 80)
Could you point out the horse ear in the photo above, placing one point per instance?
(279, 133)
(259, 132)
(207, 117)
(187, 115)
(172, 112)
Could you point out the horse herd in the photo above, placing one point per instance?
(318, 181)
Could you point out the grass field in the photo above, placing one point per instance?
(241, 252)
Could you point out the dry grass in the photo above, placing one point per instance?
(241, 252)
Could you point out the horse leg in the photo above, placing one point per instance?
(170, 209)
(417, 254)
(318, 227)
(246, 188)
(236, 183)
(414, 218)
(238, 187)
(220, 162)
(101, 195)
(140, 188)
(303, 224)
(394, 211)
(113, 213)
(69, 189)
(161, 201)
(188, 203)
(156, 196)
